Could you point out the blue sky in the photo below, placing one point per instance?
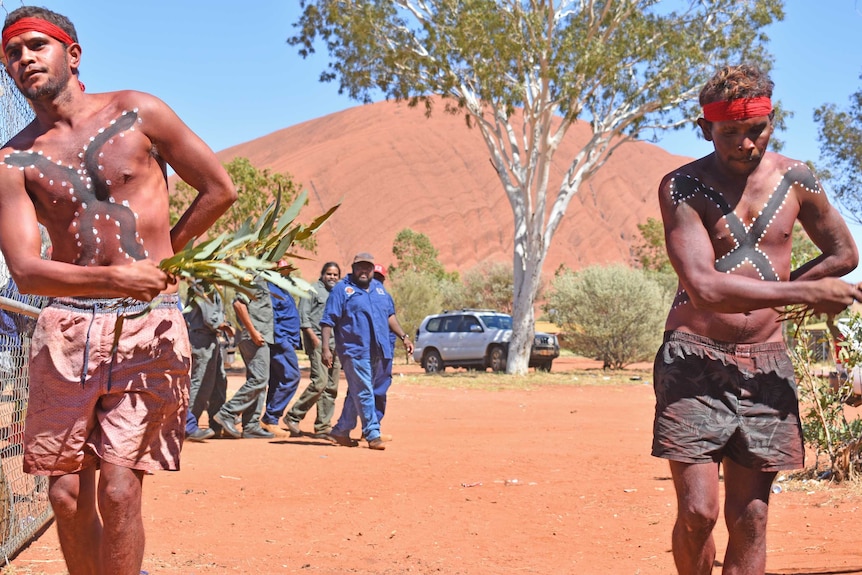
(227, 71)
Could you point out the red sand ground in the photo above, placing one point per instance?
(554, 480)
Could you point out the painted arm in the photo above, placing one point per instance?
(829, 232)
(20, 242)
(691, 252)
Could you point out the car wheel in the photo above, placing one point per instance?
(433, 362)
(497, 359)
(544, 366)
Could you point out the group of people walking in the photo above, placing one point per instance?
(349, 322)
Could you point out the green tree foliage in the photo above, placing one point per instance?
(651, 255)
(414, 252)
(651, 252)
(614, 313)
(453, 293)
(416, 294)
(524, 71)
(840, 137)
(826, 424)
(256, 189)
(488, 286)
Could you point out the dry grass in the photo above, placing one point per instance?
(486, 380)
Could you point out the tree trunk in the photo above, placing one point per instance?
(523, 328)
(528, 260)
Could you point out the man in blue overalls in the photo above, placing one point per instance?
(360, 313)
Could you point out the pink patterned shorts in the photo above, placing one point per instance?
(89, 403)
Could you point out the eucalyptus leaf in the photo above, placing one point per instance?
(294, 209)
(237, 260)
(208, 248)
(286, 283)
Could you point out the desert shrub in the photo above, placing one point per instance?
(825, 424)
(614, 313)
(453, 295)
(668, 281)
(416, 294)
(488, 286)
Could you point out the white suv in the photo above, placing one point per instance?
(475, 339)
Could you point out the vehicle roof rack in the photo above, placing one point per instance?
(474, 309)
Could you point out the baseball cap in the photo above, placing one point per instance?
(379, 269)
(363, 257)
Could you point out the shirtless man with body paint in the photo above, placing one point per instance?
(725, 393)
(92, 169)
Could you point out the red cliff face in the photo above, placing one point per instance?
(393, 168)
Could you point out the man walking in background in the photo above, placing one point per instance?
(256, 332)
(284, 371)
(358, 312)
(205, 319)
(323, 388)
(383, 376)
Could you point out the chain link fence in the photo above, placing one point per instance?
(24, 506)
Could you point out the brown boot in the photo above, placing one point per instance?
(342, 440)
(292, 427)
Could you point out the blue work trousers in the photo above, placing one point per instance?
(382, 379)
(360, 398)
(284, 378)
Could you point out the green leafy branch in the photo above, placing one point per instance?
(237, 259)
(825, 423)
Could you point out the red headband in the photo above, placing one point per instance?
(31, 24)
(740, 109)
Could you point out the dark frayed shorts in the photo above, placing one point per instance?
(716, 399)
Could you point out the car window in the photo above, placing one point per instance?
(451, 323)
(469, 323)
(433, 324)
(497, 321)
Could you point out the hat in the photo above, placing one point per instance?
(379, 269)
(363, 257)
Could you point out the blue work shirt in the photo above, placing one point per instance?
(285, 318)
(359, 319)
